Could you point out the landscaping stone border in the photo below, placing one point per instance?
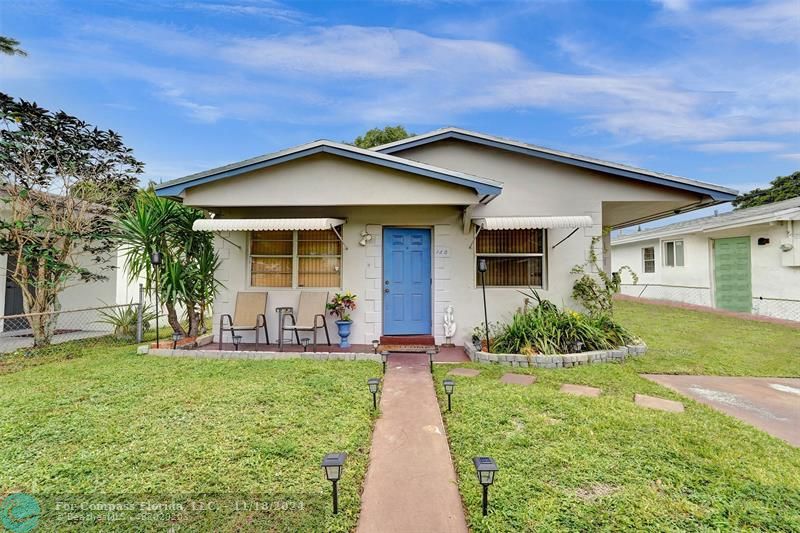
(555, 361)
(262, 356)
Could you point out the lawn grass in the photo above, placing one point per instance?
(683, 341)
(111, 426)
(584, 464)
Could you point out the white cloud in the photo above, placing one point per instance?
(264, 8)
(777, 21)
(674, 5)
(794, 157)
(740, 146)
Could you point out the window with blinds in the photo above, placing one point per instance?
(514, 258)
(295, 259)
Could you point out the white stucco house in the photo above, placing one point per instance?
(746, 260)
(404, 225)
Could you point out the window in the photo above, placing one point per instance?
(673, 253)
(295, 259)
(649, 259)
(514, 258)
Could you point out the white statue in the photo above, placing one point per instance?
(449, 324)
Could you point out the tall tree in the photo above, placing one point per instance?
(11, 47)
(62, 182)
(781, 188)
(378, 136)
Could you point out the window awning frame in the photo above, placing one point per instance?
(270, 224)
(573, 222)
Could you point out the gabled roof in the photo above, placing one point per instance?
(487, 188)
(716, 192)
(762, 214)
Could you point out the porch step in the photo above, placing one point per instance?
(408, 340)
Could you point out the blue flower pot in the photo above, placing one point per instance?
(344, 332)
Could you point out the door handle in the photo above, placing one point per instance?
(386, 290)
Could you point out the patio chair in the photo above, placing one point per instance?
(249, 315)
(310, 317)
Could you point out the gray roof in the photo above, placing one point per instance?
(717, 192)
(487, 188)
(783, 210)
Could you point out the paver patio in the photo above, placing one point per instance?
(411, 482)
(770, 404)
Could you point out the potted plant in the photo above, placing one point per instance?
(340, 306)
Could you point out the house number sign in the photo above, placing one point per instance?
(442, 251)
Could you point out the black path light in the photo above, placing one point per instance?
(431, 353)
(155, 260)
(375, 345)
(374, 383)
(304, 341)
(384, 359)
(175, 338)
(237, 340)
(482, 269)
(449, 385)
(485, 467)
(332, 463)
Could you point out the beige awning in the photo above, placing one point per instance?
(265, 224)
(552, 222)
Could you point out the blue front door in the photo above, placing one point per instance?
(406, 281)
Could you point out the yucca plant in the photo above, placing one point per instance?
(124, 319)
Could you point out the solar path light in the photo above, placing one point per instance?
(485, 468)
(332, 464)
(373, 384)
(449, 385)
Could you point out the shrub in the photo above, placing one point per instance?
(124, 320)
(341, 304)
(546, 329)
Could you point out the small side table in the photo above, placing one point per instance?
(281, 312)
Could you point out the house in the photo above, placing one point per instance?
(404, 225)
(115, 289)
(746, 260)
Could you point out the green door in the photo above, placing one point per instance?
(732, 274)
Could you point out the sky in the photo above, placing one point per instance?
(705, 90)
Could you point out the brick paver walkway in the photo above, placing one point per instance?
(410, 484)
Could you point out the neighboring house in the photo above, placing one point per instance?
(114, 290)
(404, 225)
(746, 260)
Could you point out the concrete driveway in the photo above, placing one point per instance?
(770, 404)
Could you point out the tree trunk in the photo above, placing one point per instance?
(172, 318)
(194, 319)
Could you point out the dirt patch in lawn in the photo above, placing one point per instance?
(594, 492)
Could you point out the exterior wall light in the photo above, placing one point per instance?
(449, 385)
(332, 464)
(373, 384)
(485, 468)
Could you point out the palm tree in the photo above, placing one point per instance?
(11, 47)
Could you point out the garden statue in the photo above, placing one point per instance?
(449, 325)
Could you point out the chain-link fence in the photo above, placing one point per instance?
(675, 293)
(82, 328)
(783, 308)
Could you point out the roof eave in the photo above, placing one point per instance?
(721, 194)
(176, 188)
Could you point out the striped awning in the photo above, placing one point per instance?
(265, 224)
(552, 222)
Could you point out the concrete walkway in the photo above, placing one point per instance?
(770, 404)
(410, 484)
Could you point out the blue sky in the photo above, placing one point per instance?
(707, 90)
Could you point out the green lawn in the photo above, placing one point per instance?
(571, 463)
(113, 426)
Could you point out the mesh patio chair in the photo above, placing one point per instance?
(310, 317)
(249, 315)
